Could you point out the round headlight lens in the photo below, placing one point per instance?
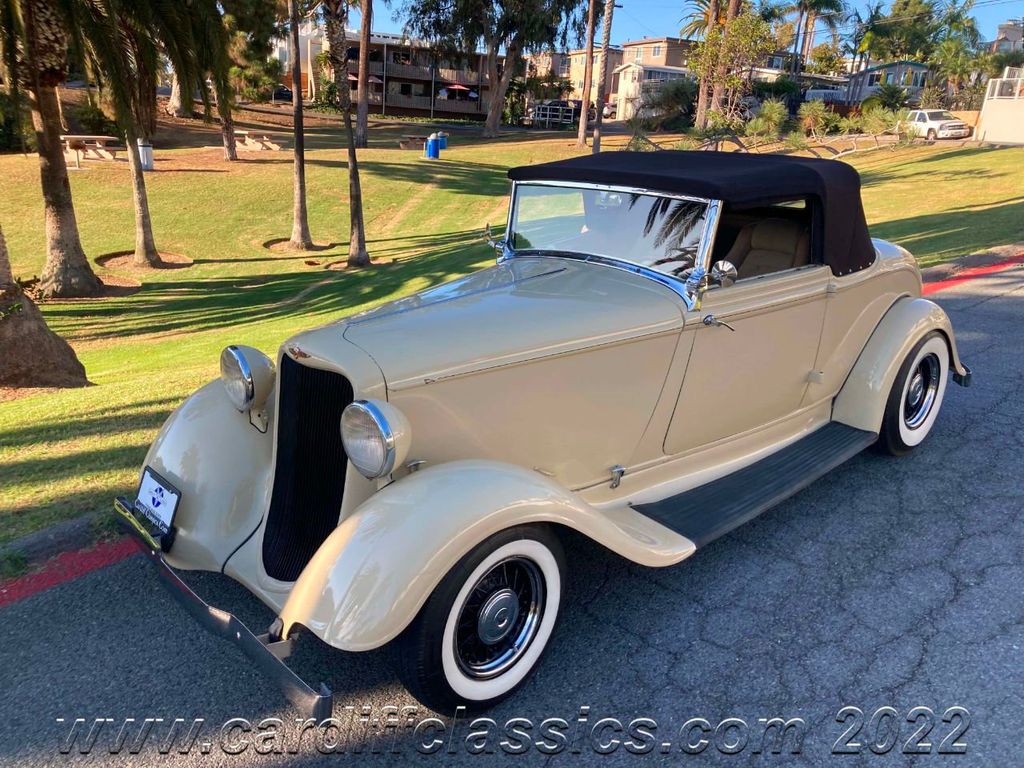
(236, 374)
(368, 439)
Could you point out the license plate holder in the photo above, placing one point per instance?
(156, 502)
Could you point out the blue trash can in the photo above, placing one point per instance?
(443, 138)
(433, 147)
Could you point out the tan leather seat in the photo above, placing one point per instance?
(769, 246)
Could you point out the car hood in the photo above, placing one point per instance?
(519, 310)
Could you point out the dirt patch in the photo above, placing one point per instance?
(16, 393)
(121, 261)
(282, 245)
(342, 264)
(950, 269)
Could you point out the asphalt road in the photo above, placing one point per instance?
(889, 583)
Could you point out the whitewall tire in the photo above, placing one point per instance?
(484, 628)
(916, 396)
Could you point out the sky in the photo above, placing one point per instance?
(657, 18)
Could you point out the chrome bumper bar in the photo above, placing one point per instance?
(268, 655)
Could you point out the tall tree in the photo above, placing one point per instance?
(300, 239)
(602, 72)
(32, 354)
(363, 94)
(714, 10)
(512, 26)
(35, 43)
(335, 15)
(718, 91)
(588, 72)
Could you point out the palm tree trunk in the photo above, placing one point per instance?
(719, 90)
(602, 73)
(795, 64)
(358, 256)
(177, 106)
(32, 354)
(363, 106)
(300, 239)
(227, 123)
(703, 87)
(588, 74)
(145, 248)
(67, 272)
(809, 35)
(499, 89)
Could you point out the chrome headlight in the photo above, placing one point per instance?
(376, 436)
(248, 376)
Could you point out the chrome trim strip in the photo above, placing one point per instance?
(675, 284)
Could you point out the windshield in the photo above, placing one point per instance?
(941, 116)
(663, 233)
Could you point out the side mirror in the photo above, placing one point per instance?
(497, 245)
(723, 273)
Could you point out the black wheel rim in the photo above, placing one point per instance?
(500, 618)
(921, 392)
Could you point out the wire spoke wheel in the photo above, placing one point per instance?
(500, 618)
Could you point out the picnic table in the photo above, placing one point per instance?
(412, 141)
(255, 141)
(79, 147)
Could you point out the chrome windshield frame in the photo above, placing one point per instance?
(677, 285)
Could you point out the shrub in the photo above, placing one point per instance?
(813, 118)
(795, 141)
(15, 125)
(94, 120)
(781, 88)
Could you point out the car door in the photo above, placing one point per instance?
(742, 379)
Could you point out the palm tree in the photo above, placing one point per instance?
(300, 239)
(701, 18)
(602, 73)
(37, 29)
(810, 11)
(954, 61)
(335, 16)
(864, 39)
(588, 73)
(33, 355)
(714, 9)
(363, 96)
(718, 93)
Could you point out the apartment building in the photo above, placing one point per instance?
(659, 52)
(405, 76)
(577, 65)
(1009, 37)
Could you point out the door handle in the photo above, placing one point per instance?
(710, 320)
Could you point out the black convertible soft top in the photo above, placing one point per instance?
(740, 180)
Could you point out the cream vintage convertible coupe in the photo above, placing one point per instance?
(669, 344)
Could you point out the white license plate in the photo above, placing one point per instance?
(157, 500)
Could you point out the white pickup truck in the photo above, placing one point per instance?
(937, 124)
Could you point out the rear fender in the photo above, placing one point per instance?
(861, 401)
(374, 572)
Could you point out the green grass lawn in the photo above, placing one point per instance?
(69, 452)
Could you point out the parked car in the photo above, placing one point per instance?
(669, 344)
(282, 93)
(610, 109)
(828, 94)
(937, 124)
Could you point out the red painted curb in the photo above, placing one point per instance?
(67, 566)
(970, 274)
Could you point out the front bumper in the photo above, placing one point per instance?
(267, 654)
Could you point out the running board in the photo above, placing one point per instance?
(708, 511)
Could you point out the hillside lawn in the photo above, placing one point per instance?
(66, 453)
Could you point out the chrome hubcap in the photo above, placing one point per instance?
(924, 387)
(500, 618)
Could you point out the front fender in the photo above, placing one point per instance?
(222, 465)
(861, 401)
(374, 572)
